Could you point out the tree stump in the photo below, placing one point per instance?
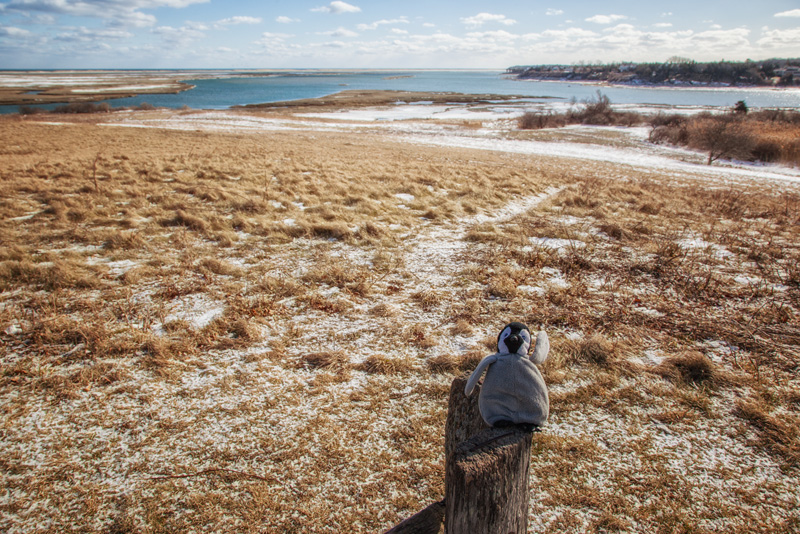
(486, 483)
(463, 416)
(486, 475)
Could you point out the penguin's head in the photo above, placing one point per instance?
(515, 338)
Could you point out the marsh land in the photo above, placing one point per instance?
(249, 320)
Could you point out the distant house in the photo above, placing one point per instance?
(794, 71)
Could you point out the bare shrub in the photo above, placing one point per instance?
(595, 111)
(691, 368)
(596, 350)
(32, 110)
(83, 107)
(766, 150)
(721, 138)
(767, 135)
(536, 121)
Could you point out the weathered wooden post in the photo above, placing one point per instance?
(486, 483)
(486, 472)
(463, 416)
(486, 475)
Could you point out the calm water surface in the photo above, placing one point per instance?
(223, 93)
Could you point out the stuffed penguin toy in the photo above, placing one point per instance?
(514, 392)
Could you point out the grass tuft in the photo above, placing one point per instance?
(386, 365)
(690, 368)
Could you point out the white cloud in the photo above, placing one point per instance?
(781, 39)
(428, 25)
(285, 20)
(118, 12)
(374, 25)
(339, 32)
(337, 7)
(269, 36)
(662, 25)
(606, 19)
(239, 20)
(86, 35)
(481, 18)
(197, 26)
(11, 31)
(715, 27)
(553, 12)
(398, 31)
(183, 35)
(494, 36)
(790, 13)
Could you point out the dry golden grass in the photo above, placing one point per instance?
(181, 339)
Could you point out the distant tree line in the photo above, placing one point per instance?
(675, 71)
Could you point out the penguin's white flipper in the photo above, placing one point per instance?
(476, 374)
(542, 348)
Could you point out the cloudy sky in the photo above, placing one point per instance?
(387, 34)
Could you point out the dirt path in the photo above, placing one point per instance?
(432, 262)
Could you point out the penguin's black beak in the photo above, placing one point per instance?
(513, 342)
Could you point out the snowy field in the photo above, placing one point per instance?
(248, 322)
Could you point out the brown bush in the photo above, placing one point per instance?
(769, 136)
(721, 137)
(536, 121)
(691, 368)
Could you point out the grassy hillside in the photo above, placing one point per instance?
(231, 331)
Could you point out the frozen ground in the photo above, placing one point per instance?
(250, 412)
(443, 125)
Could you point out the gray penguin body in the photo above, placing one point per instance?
(513, 390)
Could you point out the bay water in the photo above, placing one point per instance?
(231, 89)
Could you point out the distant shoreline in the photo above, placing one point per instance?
(678, 86)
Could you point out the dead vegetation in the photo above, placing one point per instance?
(239, 333)
(767, 136)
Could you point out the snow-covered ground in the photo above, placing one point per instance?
(439, 125)
(251, 410)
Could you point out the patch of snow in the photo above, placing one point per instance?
(531, 290)
(623, 156)
(13, 330)
(197, 309)
(698, 243)
(117, 268)
(25, 217)
(653, 357)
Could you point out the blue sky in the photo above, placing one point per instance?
(381, 34)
